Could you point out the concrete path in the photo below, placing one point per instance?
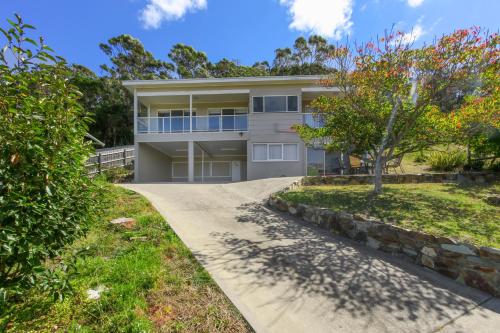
(286, 276)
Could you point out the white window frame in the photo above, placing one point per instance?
(174, 109)
(286, 103)
(282, 151)
(244, 108)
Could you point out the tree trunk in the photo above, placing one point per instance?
(377, 189)
(378, 174)
(468, 156)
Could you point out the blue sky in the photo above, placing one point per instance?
(243, 30)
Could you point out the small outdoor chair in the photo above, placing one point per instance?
(355, 165)
(395, 164)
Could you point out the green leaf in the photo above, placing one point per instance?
(31, 41)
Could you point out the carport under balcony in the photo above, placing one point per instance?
(205, 162)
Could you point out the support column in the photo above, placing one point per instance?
(191, 161)
(190, 113)
(202, 164)
(136, 162)
(135, 111)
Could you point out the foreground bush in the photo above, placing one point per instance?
(46, 199)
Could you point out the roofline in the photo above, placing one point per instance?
(201, 81)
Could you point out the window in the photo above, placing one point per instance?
(260, 152)
(275, 104)
(258, 104)
(290, 152)
(275, 152)
(293, 102)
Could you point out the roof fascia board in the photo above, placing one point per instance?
(248, 80)
(192, 92)
(320, 89)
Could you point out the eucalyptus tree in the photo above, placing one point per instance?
(189, 63)
(307, 57)
(131, 61)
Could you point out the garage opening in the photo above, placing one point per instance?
(214, 161)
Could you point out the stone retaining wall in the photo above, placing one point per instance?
(472, 177)
(466, 263)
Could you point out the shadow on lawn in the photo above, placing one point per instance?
(424, 212)
(357, 280)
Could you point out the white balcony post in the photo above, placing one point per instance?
(135, 112)
(190, 112)
(149, 118)
(191, 161)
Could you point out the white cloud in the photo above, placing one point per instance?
(328, 18)
(415, 3)
(412, 36)
(157, 11)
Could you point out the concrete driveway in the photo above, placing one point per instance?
(285, 276)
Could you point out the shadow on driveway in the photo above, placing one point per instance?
(354, 279)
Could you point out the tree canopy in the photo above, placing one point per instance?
(130, 61)
(396, 99)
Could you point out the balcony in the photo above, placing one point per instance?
(313, 120)
(211, 123)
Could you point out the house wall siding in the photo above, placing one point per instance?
(153, 165)
(274, 127)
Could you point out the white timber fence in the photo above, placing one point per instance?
(109, 158)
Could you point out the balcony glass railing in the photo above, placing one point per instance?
(314, 121)
(213, 123)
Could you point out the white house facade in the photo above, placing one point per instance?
(225, 129)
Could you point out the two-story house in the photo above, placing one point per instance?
(224, 129)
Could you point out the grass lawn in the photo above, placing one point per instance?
(152, 284)
(440, 209)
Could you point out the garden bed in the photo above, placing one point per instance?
(451, 210)
(146, 278)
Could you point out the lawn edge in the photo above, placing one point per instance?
(245, 312)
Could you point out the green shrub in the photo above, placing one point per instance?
(494, 166)
(46, 198)
(420, 158)
(446, 161)
(118, 174)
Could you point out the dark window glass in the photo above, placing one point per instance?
(275, 103)
(258, 104)
(293, 103)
